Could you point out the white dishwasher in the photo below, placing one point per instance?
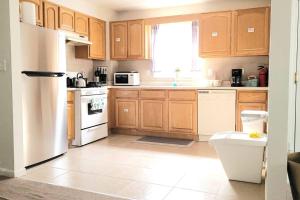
(216, 112)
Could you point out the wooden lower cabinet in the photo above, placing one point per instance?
(71, 116)
(250, 100)
(126, 113)
(154, 115)
(182, 116)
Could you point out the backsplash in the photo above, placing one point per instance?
(213, 68)
(78, 65)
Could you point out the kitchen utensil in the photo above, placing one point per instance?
(80, 81)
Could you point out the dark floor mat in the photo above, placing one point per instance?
(166, 141)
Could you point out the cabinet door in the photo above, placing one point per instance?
(251, 32)
(154, 115)
(81, 24)
(126, 113)
(118, 39)
(71, 121)
(97, 37)
(71, 116)
(182, 116)
(247, 106)
(39, 13)
(50, 15)
(66, 19)
(136, 39)
(215, 34)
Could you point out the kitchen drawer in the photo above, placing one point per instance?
(70, 96)
(189, 95)
(127, 93)
(153, 94)
(252, 96)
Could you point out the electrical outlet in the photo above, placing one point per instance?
(2, 65)
(243, 71)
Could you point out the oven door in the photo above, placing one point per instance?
(93, 110)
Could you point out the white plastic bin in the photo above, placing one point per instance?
(241, 156)
(253, 120)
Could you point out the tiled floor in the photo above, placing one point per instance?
(120, 166)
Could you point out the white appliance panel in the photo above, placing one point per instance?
(216, 112)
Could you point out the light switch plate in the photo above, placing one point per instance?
(2, 65)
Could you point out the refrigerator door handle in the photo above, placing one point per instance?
(43, 74)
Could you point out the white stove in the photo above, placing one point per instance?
(90, 115)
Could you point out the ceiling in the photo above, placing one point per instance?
(125, 5)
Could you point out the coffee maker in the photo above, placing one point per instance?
(101, 75)
(236, 77)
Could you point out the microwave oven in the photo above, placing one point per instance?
(126, 78)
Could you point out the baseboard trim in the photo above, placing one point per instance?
(12, 173)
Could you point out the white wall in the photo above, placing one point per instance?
(281, 94)
(11, 140)
(191, 9)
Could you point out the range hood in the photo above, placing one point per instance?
(76, 39)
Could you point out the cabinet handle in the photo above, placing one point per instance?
(214, 34)
(125, 109)
(251, 30)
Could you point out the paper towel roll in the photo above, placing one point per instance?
(28, 12)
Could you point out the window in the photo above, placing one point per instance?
(175, 48)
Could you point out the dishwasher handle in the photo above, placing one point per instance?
(203, 91)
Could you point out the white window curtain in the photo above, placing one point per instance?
(175, 47)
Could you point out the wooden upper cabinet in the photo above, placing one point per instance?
(39, 14)
(50, 15)
(215, 34)
(251, 32)
(118, 39)
(97, 37)
(136, 39)
(66, 19)
(81, 24)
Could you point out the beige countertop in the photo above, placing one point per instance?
(191, 87)
(167, 87)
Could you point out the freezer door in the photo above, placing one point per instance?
(42, 49)
(44, 116)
